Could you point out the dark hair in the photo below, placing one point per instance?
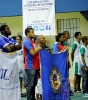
(84, 38)
(58, 36)
(76, 34)
(19, 36)
(65, 32)
(27, 30)
(2, 28)
(14, 37)
(35, 38)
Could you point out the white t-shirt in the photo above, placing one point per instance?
(76, 46)
(84, 50)
(20, 58)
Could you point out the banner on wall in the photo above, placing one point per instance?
(39, 15)
(9, 77)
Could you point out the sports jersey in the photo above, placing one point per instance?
(60, 46)
(76, 47)
(76, 64)
(30, 62)
(55, 48)
(5, 41)
(47, 49)
(20, 57)
(66, 43)
(20, 62)
(84, 51)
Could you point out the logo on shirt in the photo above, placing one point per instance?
(55, 79)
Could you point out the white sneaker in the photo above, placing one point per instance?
(79, 92)
(85, 95)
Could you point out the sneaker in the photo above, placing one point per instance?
(85, 95)
(22, 95)
(71, 93)
(79, 91)
(75, 90)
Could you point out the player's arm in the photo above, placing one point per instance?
(9, 48)
(29, 47)
(72, 55)
(74, 46)
(83, 60)
(82, 51)
(34, 51)
(18, 46)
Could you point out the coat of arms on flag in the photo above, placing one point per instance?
(55, 79)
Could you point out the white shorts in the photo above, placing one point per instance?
(77, 68)
(38, 89)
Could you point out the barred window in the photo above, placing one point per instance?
(71, 25)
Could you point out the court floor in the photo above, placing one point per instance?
(75, 97)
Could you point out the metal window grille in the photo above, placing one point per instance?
(71, 25)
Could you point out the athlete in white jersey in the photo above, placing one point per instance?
(84, 50)
(76, 61)
(84, 61)
(20, 62)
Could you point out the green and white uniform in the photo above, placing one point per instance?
(84, 51)
(77, 63)
(66, 43)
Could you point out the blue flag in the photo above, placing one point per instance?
(54, 75)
